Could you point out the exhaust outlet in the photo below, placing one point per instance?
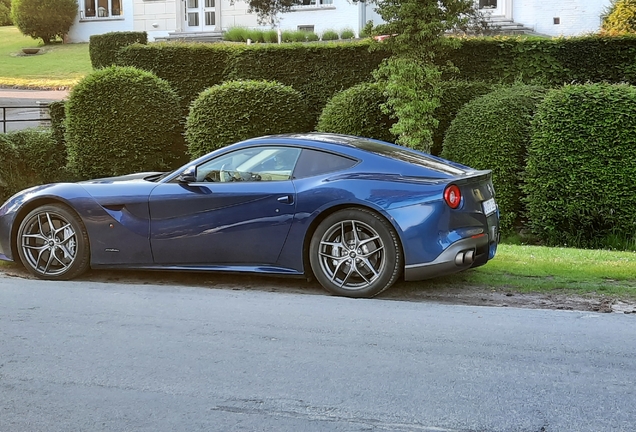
(459, 259)
(469, 257)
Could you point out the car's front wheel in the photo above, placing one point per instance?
(52, 243)
(355, 253)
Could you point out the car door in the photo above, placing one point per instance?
(235, 209)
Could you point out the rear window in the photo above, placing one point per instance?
(314, 162)
(407, 155)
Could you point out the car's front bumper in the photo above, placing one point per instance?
(461, 255)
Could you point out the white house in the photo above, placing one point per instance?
(160, 18)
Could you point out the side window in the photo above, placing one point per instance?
(250, 164)
(314, 162)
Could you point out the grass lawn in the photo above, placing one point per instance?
(544, 269)
(59, 66)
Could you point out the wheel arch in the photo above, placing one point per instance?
(331, 210)
(25, 210)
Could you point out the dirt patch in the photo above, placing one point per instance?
(403, 291)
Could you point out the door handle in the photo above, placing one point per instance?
(286, 199)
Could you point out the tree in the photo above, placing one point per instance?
(44, 19)
(5, 13)
(619, 17)
(412, 78)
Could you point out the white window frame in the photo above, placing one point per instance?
(315, 4)
(101, 12)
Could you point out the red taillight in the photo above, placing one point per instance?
(452, 196)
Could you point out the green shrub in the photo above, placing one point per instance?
(347, 34)
(30, 157)
(295, 36)
(620, 17)
(582, 165)
(44, 19)
(58, 117)
(236, 34)
(455, 94)
(270, 36)
(103, 48)
(493, 132)
(5, 13)
(329, 35)
(318, 71)
(189, 68)
(356, 111)
(11, 169)
(121, 120)
(238, 110)
(44, 156)
(255, 35)
(312, 37)
(367, 30)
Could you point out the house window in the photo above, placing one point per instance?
(315, 3)
(487, 4)
(209, 18)
(102, 8)
(307, 28)
(209, 3)
(193, 19)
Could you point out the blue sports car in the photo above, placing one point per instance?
(356, 213)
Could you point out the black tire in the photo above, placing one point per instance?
(60, 253)
(369, 259)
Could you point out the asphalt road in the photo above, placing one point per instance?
(16, 98)
(95, 356)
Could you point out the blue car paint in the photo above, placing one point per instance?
(132, 222)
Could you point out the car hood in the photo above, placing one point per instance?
(119, 179)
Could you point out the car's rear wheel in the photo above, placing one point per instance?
(52, 243)
(355, 253)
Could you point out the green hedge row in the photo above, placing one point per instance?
(103, 48)
(318, 71)
(581, 171)
(547, 61)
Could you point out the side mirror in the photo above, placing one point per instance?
(188, 176)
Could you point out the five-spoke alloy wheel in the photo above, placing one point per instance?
(52, 243)
(355, 253)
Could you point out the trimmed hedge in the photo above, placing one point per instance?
(189, 68)
(11, 169)
(44, 156)
(30, 157)
(121, 120)
(58, 116)
(356, 111)
(238, 110)
(318, 71)
(547, 61)
(103, 48)
(492, 132)
(455, 94)
(582, 165)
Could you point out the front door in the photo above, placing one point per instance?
(237, 211)
(200, 15)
